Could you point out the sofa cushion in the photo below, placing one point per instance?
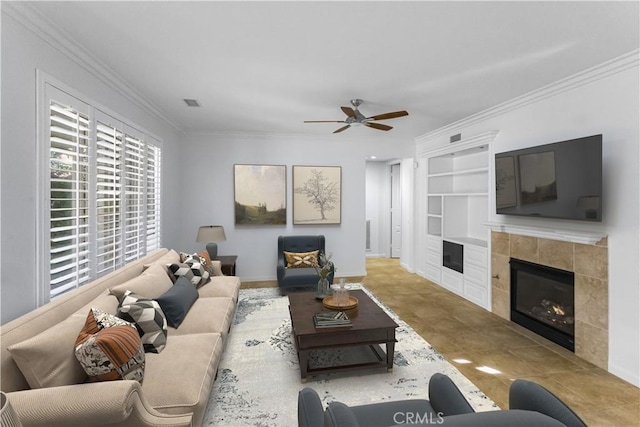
(152, 283)
(148, 318)
(47, 359)
(194, 271)
(112, 353)
(105, 302)
(207, 315)
(177, 301)
(301, 259)
(221, 286)
(194, 359)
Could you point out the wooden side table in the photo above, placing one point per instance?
(228, 264)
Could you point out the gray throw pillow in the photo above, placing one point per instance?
(177, 301)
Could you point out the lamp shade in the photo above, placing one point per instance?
(211, 234)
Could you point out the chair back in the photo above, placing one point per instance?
(300, 244)
(530, 396)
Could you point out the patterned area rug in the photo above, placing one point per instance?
(259, 377)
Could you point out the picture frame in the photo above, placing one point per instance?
(317, 195)
(260, 194)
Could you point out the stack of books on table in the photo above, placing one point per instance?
(331, 319)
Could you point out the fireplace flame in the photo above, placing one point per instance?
(558, 310)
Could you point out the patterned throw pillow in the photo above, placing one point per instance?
(208, 265)
(111, 354)
(148, 318)
(301, 259)
(98, 319)
(109, 348)
(192, 270)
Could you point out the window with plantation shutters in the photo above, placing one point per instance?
(102, 192)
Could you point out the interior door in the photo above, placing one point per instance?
(396, 212)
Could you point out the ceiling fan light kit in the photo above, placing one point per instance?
(356, 118)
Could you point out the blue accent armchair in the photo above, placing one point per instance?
(295, 277)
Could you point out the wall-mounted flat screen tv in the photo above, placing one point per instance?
(558, 180)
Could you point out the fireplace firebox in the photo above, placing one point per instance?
(542, 300)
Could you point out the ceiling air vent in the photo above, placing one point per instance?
(455, 138)
(191, 102)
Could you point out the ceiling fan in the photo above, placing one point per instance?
(355, 117)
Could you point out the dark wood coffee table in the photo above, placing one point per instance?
(371, 327)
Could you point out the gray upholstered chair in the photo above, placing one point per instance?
(295, 277)
(531, 405)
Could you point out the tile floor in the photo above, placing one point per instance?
(460, 330)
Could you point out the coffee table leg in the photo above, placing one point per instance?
(303, 362)
(390, 350)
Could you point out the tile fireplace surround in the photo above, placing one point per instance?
(589, 262)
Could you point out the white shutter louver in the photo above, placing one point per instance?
(108, 198)
(152, 205)
(69, 198)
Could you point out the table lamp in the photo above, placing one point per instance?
(210, 234)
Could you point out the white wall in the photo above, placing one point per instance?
(22, 53)
(206, 169)
(603, 101)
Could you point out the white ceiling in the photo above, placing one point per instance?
(266, 67)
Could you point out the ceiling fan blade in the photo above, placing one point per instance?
(324, 121)
(349, 111)
(378, 126)
(392, 115)
(342, 128)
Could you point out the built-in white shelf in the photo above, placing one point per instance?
(575, 236)
(459, 172)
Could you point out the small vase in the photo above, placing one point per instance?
(324, 290)
(341, 295)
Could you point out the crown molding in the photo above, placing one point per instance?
(29, 17)
(606, 69)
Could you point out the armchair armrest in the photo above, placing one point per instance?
(118, 403)
(446, 398)
(310, 411)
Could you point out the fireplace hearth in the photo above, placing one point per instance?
(542, 300)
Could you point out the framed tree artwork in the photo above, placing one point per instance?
(260, 194)
(317, 195)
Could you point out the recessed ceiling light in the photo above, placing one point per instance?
(191, 102)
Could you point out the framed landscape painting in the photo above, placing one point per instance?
(260, 194)
(317, 194)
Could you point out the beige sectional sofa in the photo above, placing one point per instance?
(48, 387)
